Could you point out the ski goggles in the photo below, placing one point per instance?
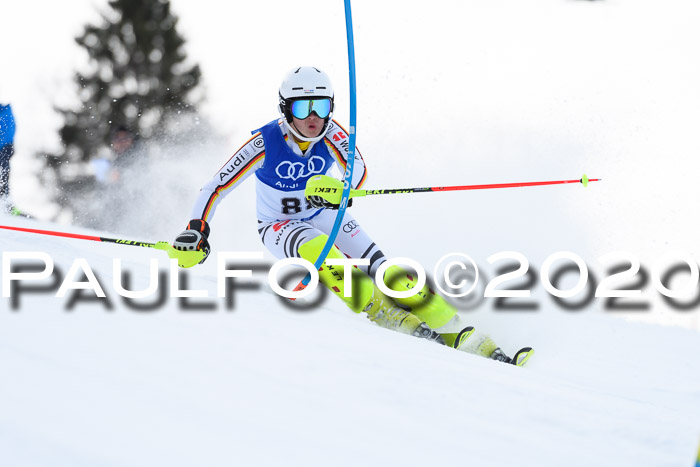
(302, 108)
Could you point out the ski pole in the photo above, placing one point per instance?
(583, 180)
(185, 259)
(326, 187)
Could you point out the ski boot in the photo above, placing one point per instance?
(385, 313)
(429, 307)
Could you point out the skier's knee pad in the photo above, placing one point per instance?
(333, 276)
(426, 304)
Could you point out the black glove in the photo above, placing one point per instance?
(320, 202)
(194, 238)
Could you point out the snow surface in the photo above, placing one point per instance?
(263, 385)
(459, 93)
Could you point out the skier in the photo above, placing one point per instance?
(284, 154)
(7, 136)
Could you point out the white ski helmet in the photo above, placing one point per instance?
(305, 83)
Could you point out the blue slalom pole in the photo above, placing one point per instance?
(347, 177)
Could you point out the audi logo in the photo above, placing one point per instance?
(350, 226)
(297, 170)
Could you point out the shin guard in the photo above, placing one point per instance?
(366, 296)
(428, 306)
(333, 276)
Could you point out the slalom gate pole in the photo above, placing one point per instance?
(358, 193)
(347, 177)
(185, 259)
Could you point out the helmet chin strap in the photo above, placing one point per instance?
(299, 136)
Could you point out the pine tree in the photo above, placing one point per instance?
(138, 80)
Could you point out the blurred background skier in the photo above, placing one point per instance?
(7, 149)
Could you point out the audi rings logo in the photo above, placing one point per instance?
(297, 170)
(258, 143)
(350, 226)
